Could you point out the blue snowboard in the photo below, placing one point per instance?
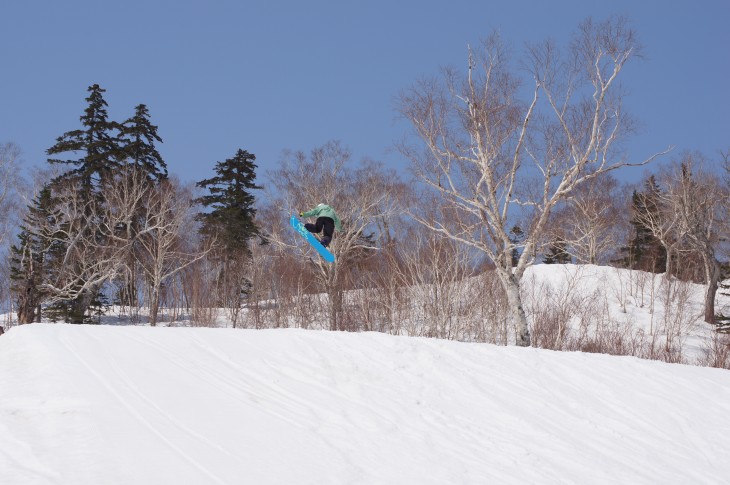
(299, 227)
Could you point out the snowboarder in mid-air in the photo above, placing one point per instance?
(327, 222)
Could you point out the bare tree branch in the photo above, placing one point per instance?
(477, 135)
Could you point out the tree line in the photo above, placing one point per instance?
(509, 170)
(111, 226)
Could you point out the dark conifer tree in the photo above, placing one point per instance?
(97, 142)
(557, 253)
(644, 252)
(722, 321)
(231, 218)
(138, 137)
(94, 153)
(29, 264)
(517, 235)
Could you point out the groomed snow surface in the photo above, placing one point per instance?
(108, 405)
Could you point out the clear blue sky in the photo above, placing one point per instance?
(267, 76)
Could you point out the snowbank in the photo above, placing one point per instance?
(139, 405)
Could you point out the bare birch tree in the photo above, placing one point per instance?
(495, 158)
(10, 182)
(85, 247)
(12, 187)
(658, 215)
(695, 201)
(361, 197)
(588, 223)
(161, 247)
(92, 241)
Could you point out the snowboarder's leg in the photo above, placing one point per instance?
(328, 226)
(315, 228)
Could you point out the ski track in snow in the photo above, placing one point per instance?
(118, 393)
(140, 405)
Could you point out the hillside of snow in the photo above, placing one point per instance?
(569, 307)
(139, 405)
(655, 311)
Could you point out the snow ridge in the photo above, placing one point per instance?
(142, 405)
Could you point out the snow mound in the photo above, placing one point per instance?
(140, 405)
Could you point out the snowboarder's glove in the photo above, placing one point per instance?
(301, 214)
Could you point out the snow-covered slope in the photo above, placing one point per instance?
(669, 313)
(139, 405)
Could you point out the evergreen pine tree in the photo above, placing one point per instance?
(139, 136)
(28, 262)
(94, 152)
(557, 253)
(97, 142)
(517, 236)
(231, 218)
(644, 252)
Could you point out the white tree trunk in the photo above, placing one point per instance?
(511, 286)
(489, 157)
